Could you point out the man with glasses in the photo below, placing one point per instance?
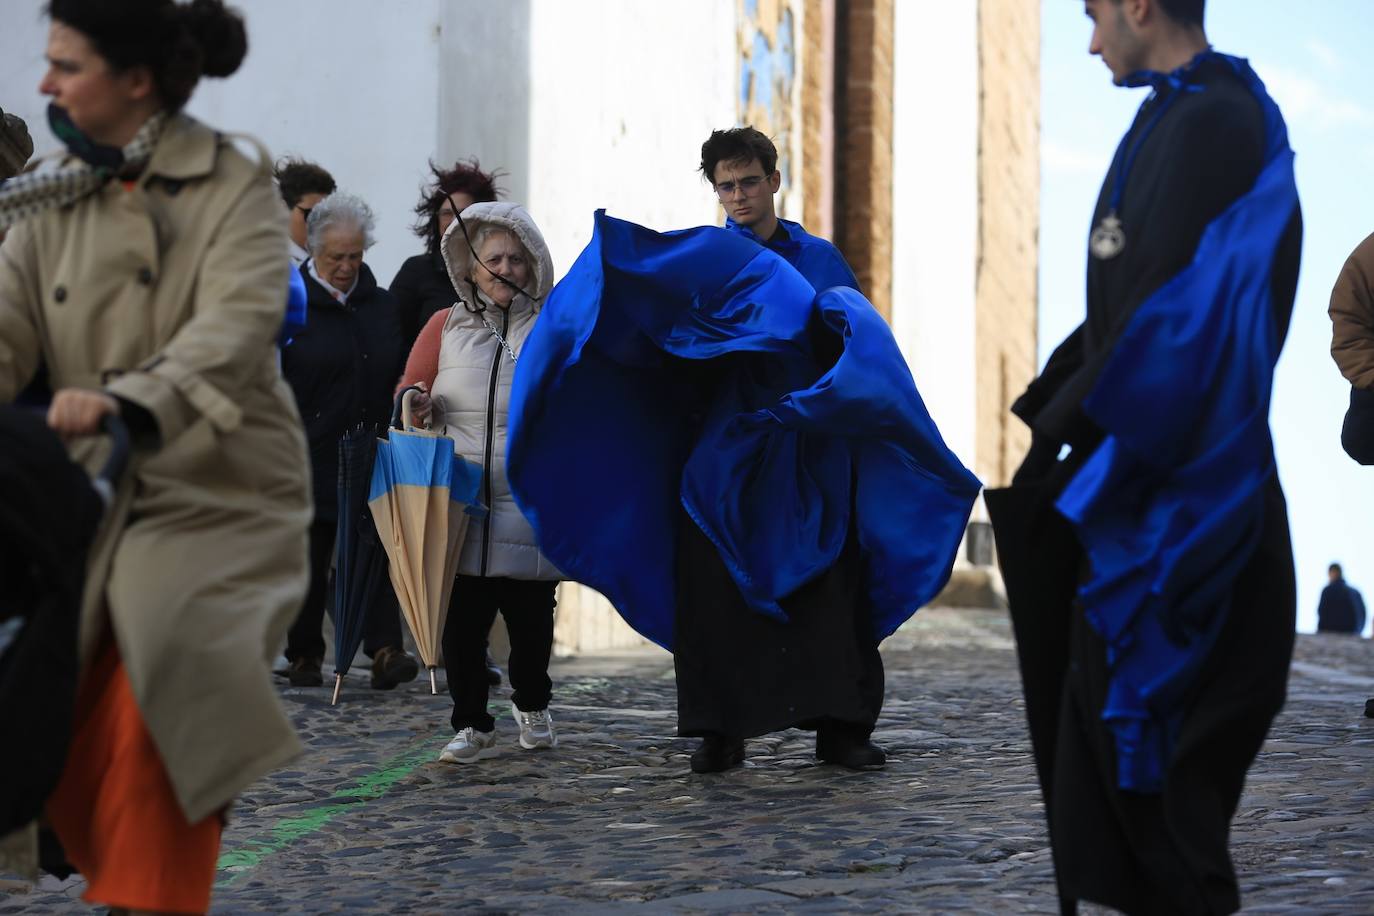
(742, 165)
(302, 184)
(741, 674)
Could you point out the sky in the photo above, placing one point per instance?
(1315, 59)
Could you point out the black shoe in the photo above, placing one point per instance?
(717, 754)
(1369, 709)
(305, 672)
(493, 672)
(849, 751)
(392, 666)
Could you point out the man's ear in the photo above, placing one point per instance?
(774, 181)
(1139, 12)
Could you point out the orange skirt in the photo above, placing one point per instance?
(114, 809)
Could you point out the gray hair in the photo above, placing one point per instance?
(339, 210)
(486, 231)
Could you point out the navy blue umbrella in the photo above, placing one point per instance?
(360, 572)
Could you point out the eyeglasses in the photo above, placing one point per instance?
(305, 212)
(750, 186)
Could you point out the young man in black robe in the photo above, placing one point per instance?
(741, 674)
(1197, 145)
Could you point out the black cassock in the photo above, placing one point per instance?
(1144, 853)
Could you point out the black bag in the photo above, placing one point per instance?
(1357, 432)
(49, 515)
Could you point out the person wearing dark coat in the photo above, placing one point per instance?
(1154, 656)
(342, 368)
(1341, 608)
(739, 673)
(422, 285)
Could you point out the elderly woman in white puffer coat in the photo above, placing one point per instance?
(464, 360)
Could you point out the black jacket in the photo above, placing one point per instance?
(422, 287)
(343, 368)
(1341, 609)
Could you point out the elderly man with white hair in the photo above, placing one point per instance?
(342, 367)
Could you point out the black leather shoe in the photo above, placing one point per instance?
(849, 751)
(305, 672)
(717, 754)
(392, 666)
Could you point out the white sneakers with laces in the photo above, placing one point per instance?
(469, 745)
(536, 729)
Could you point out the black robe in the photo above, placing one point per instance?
(741, 674)
(1140, 853)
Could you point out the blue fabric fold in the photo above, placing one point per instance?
(815, 259)
(682, 369)
(1170, 506)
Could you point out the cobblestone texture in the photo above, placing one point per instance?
(369, 822)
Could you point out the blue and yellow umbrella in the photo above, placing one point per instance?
(421, 498)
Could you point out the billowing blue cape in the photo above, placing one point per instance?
(1170, 506)
(617, 419)
(815, 258)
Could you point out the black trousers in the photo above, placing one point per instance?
(527, 607)
(381, 629)
(741, 674)
(1160, 853)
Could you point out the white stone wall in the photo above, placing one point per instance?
(935, 209)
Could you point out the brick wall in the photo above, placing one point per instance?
(1008, 233)
(864, 205)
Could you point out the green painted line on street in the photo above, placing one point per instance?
(239, 862)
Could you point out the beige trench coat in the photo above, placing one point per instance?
(172, 294)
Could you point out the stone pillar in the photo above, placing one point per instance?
(864, 136)
(1008, 228)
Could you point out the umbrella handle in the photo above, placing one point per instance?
(401, 417)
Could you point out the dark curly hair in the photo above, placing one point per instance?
(178, 42)
(464, 178)
(735, 144)
(297, 178)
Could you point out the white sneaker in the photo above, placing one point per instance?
(536, 728)
(469, 745)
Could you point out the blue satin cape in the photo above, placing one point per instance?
(610, 431)
(1170, 506)
(815, 259)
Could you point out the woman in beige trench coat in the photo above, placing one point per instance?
(160, 295)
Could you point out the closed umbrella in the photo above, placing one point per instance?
(361, 571)
(422, 496)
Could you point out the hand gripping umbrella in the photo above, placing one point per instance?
(421, 498)
(361, 574)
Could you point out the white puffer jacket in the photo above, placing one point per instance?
(472, 389)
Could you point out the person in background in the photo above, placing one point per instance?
(201, 559)
(302, 185)
(342, 366)
(1341, 608)
(422, 286)
(741, 164)
(465, 358)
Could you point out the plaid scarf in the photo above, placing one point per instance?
(30, 194)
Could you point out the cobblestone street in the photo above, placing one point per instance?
(369, 821)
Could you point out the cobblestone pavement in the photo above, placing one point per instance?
(369, 822)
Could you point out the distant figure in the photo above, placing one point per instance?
(301, 184)
(1341, 609)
